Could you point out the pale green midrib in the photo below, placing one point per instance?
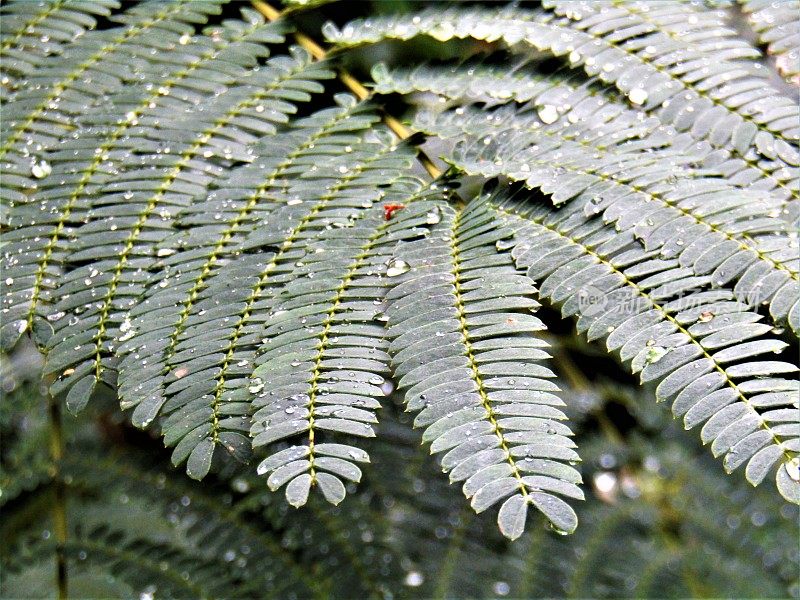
(364, 253)
(186, 156)
(98, 159)
(130, 32)
(660, 309)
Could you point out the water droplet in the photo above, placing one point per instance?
(655, 354)
(256, 386)
(638, 96)
(501, 588)
(41, 169)
(548, 114)
(434, 216)
(414, 579)
(793, 468)
(397, 267)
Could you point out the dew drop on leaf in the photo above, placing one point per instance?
(638, 96)
(41, 169)
(655, 354)
(256, 386)
(793, 468)
(548, 114)
(397, 267)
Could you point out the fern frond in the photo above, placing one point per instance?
(208, 392)
(465, 349)
(327, 377)
(45, 211)
(778, 28)
(629, 181)
(51, 231)
(140, 563)
(555, 94)
(469, 81)
(195, 219)
(220, 529)
(30, 32)
(40, 110)
(134, 212)
(691, 28)
(706, 349)
(156, 336)
(748, 118)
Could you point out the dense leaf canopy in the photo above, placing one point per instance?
(199, 216)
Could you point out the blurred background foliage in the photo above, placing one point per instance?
(660, 519)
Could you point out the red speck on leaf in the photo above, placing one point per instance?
(390, 209)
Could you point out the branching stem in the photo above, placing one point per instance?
(351, 83)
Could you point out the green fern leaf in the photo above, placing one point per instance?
(778, 28)
(647, 198)
(32, 32)
(466, 352)
(748, 118)
(328, 379)
(705, 348)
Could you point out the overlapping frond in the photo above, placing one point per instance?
(226, 305)
(621, 167)
(323, 366)
(778, 27)
(196, 217)
(39, 112)
(134, 213)
(32, 31)
(701, 88)
(53, 193)
(564, 93)
(465, 349)
(710, 353)
(634, 58)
